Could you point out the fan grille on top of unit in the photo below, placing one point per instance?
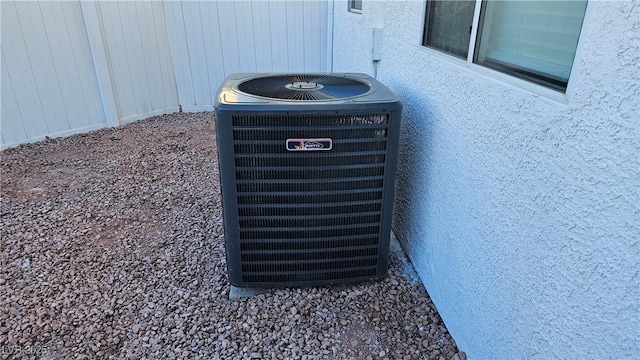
(304, 87)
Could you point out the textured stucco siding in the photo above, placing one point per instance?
(520, 214)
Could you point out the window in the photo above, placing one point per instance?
(355, 6)
(448, 26)
(532, 40)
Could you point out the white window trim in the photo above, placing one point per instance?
(352, 9)
(510, 81)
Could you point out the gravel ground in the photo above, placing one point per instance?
(112, 247)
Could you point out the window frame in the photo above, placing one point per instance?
(351, 7)
(427, 21)
(508, 79)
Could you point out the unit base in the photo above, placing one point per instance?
(239, 293)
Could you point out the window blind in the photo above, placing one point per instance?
(535, 40)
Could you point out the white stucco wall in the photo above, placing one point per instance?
(520, 214)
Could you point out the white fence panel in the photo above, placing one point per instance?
(179, 52)
(71, 66)
(48, 84)
(139, 58)
(213, 39)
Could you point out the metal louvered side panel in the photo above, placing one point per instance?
(309, 217)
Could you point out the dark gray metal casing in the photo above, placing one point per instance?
(300, 218)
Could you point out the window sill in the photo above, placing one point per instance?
(529, 88)
(524, 86)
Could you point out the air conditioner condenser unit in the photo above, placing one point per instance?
(307, 167)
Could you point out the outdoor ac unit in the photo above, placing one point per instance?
(307, 166)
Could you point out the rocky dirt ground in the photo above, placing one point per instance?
(111, 246)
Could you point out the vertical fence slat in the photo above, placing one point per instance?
(75, 66)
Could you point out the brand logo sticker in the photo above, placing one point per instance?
(309, 144)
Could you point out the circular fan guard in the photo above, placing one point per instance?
(304, 87)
